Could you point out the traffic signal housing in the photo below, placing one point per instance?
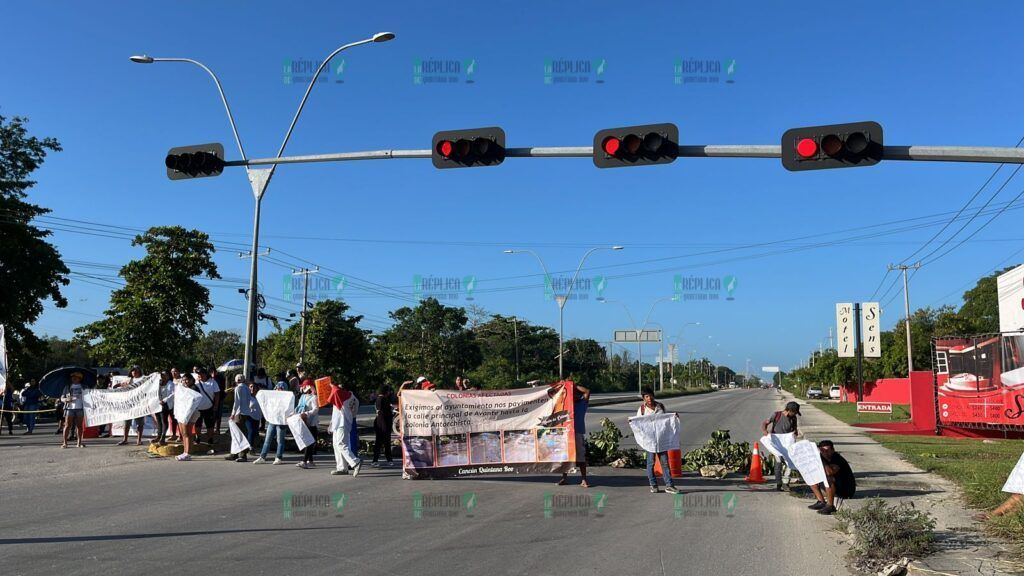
(468, 148)
(832, 146)
(197, 161)
(636, 146)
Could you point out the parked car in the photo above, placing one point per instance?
(814, 393)
(714, 385)
(835, 392)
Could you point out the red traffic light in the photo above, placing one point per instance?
(806, 147)
(611, 145)
(445, 148)
(467, 148)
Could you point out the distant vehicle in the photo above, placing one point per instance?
(714, 385)
(835, 392)
(732, 385)
(814, 393)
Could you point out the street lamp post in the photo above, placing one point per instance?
(561, 300)
(260, 178)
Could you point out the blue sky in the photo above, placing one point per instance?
(931, 73)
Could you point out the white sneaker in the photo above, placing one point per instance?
(301, 465)
(339, 472)
(260, 460)
(355, 469)
(278, 461)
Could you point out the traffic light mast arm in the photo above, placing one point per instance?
(982, 154)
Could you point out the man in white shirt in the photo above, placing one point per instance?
(210, 390)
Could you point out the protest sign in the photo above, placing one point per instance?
(807, 460)
(1015, 483)
(186, 403)
(656, 432)
(303, 437)
(276, 405)
(461, 433)
(779, 445)
(238, 440)
(142, 398)
(323, 390)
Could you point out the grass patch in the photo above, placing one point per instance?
(847, 412)
(979, 468)
(883, 534)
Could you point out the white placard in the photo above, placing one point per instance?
(871, 329)
(303, 437)
(656, 432)
(120, 404)
(779, 444)
(1010, 287)
(238, 440)
(1015, 483)
(186, 403)
(846, 343)
(276, 405)
(807, 459)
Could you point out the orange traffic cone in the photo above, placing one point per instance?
(755, 476)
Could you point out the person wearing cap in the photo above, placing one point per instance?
(30, 398)
(425, 384)
(309, 411)
(782, 422)
(74, 409)
(841, 482)
(343, 418)
(134, 375)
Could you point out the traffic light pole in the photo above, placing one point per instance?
(994, 155)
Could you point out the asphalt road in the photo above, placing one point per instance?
(106, 509)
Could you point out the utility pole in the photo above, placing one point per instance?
(304, 272)
(906, 309)
(830, 343)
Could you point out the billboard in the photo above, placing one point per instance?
(980, 380)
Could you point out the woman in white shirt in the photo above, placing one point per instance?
(309, 411)
(648, 407)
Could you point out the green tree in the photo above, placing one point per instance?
(218, 346)
(585, 360)
(51, 353)
(981, 305)
(31, 269)
(159, 312)
(336, 345)
(430, 339)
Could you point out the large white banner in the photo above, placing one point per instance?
(1010, 287)
(457, 412)
(238, 440)
(807, 459)
(846, 343)
(1015, 483)
(871, 329)
(120, 404)
(656, 432)
(186, 403)
(779, 445)
(276, 405)
(303, 437)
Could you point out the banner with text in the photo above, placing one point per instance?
(106, 406)
(463, 433)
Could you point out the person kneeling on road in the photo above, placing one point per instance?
(841, 482)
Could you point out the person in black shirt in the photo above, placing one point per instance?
(841, 482)
(382, 424)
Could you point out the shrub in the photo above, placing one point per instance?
(719, 450)
(883, 534)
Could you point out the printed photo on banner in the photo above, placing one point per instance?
(460, 432)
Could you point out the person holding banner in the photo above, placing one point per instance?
(841, 482)
(74, 409)
(166, 408)
(782, 422)
(343, 418)
(185, 428)
(580, 403)
(241, 414)
(134, 375)
(309, 411)
(652, 406)
(274, 431)
(210, 390)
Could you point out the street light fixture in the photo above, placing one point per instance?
(260, 178)
(561, 300)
